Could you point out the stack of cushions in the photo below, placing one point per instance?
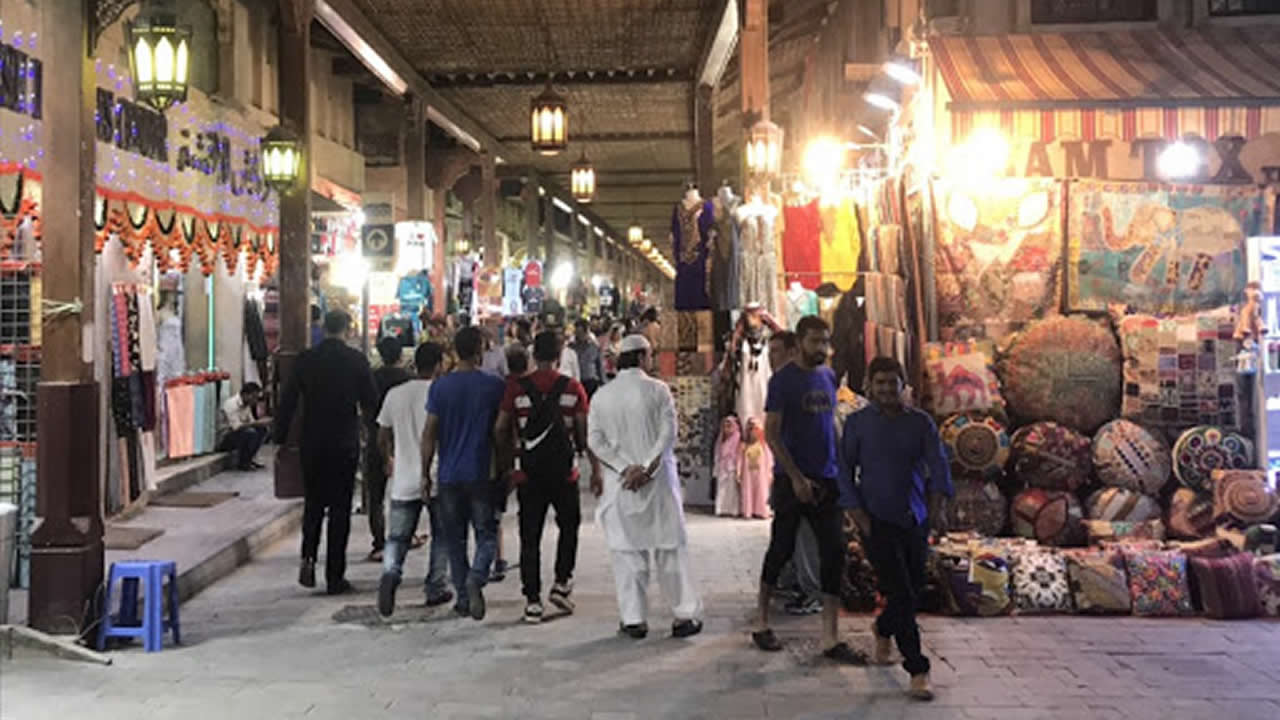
(1065, 369)
(1158, 583)
(975, 582)
(1266, 572)
(1190, 514)
(1040, 582)
(977, 444)
(1243, 497)
(978, 505)
(1126, 455)
(1098, 582)
(1049, 516)
(1124, 505)
(1203, 449)
(1227, 586)
(959, 378)
(1050, 456)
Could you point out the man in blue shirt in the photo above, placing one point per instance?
(898, 457)
(800, 428)
(461, 409)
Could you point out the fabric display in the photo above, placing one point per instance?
(976, 444)
(1159, 248)
(1040, 583)
(886, 311)
(727, 460)
(1225, 586)
(1202, 449)
(1126, 455)
(726, 271)
(1266, 573)
(1191, 515)
(1158, 583)
(848, 338)
(960, 377)
(756, 221)
(193, 403)
(1122, 504)
(802, 238)
(841, 243)
(800, 302)
(976, 582)
(1180, 371)
(691, 222)
(886, 249)
(1243, 496)
(1050, 456)
(1049, 516)
(133, 399)
(979, 506)
(1098, 581)
(1065, 369)
(697, 431)
(415, 294)
(1122, 531)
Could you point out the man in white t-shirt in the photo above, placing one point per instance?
(403, 416)
(244, 433)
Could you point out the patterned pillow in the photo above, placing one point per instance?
(1203, 449)
(1126, 455)
(959, 591)
(1050, 456)
(1099, 531)
(977, 444)
(1040, 583)
(1266, 572)
(978, 505)
(959, 378)
(1120, 504)
(1158, 583)
(990, 570)
(1227, 587)
(1243, 496)
(1065, 369)
(1049, 516)
(1190, 515)
(1098, 581)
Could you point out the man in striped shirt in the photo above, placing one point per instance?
(550, 413)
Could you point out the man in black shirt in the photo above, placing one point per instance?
(336, 383)
(386, 377)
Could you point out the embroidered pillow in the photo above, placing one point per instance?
(1158, 583)
(1227, 587)
(1098, 582)
(1050, 456)
(959, 378)
(976, 444)
(1099, 531)
(990, 571)
(1040, 583)
(1065, 369)
(959, 592)
(1266, 573)
(1127, 455)
(1115, 503)
(978, 505)
(1243, 496)
(1190, 515)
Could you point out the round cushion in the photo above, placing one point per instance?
(1203, 449)
(1244, 496)
(1065, 369)
(1050, 456)
(1190, 515)
(1122, 505)
(1127, 455)
(977, 444)
(1049, 516)
(978, 505)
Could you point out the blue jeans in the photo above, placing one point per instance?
(469, 506)
(403, 521)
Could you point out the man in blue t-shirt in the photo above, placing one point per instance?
(461, 409)
(800, 428)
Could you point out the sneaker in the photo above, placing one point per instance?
(307, 573)
(559, 596)
(884, 648)
(475, 600)
(387, 594)
(804, 606)
(533, 612)
(499, 572)
(920, 689)
(440, 598)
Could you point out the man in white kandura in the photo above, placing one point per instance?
(631, 428)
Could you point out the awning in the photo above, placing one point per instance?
(1125, 85)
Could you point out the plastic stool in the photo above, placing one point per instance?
(152, 626)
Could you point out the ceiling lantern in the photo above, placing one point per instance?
(281, 159)
(159, 56)
(549, 122)
(635, 234)
(646, 246)
(764, 149)
(582, 180)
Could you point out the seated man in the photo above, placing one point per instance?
(245, 433)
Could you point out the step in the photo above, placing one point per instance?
(179, 475)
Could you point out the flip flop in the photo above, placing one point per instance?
(766, 640)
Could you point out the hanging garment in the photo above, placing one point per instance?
(841, 244)
(753, 378)
(691, 243)
(759, 263)
(847, 337)
(180, 401)
(801, 256)
(147, 330)
(726, 265)
(756, 474)
(254, 333)
(889, 249)
(728, 460)
(800, 302)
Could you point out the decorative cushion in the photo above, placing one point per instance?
(1203, 449)
(1190, 515)
(1126, 455)
(960, 593)
(978, 505)
(1243, 496)
(1266, 573)
(1040, 583)
(1098, 581)
(959, 378)
(1179, 371)
(1065, 369)
(1158, 583)
(1227, 587)
(977, 444)
(1206, 547)
(1115, 503)
(990, 570)
(1050, 516)
(1099, 531)
(1050, 456)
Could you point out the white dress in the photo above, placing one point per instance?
(753, 381)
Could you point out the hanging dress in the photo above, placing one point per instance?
(726, 270)
(759, 260)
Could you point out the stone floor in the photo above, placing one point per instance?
(258, 646)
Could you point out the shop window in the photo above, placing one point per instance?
(1089, 11)
(1221, 8)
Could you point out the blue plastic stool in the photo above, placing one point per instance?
(152, 626)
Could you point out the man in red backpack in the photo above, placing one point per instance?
(550, 431)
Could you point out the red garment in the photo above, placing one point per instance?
(517, 403)
(801, 244)
(533, 274)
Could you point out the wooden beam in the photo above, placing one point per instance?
(718, 49)
(613, 137)
(531, 78)
(631, 172)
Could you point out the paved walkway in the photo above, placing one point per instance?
(258, 646)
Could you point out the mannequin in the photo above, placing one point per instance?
(691, 223)
(800, 302)
(756, 221)
(728, 460)
(726, 268)
(757, 472)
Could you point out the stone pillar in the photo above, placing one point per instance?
(67, 551)
(294, 71)
(529, 197)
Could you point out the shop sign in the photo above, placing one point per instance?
(1227, 160)
(132, 127)
(379, 231)
(21, 82)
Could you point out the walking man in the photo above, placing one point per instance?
(550, 411)
(590, 359)
(800, 429)
(888, 445)
(632, 430)
(334, 382)
(245, 432)
(461, 409)
(390, 375)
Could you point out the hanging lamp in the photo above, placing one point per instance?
(764, 149)
(549, 122)
(281, 159)
(582, 180)
(159, 55)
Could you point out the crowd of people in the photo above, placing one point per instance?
(478, 420)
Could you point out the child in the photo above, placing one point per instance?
(756, 472)
(728, 463)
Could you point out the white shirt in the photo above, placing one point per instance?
(494, 362)
(569, 363)
(405, 412)
(237, 413)
(632, 420)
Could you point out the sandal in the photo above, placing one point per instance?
(766, 640)
(845, 655)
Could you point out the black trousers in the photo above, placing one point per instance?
(898, 555)
(824, 517)
(244, 442)
(536, 495)
(329, 480)
(375, 493)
